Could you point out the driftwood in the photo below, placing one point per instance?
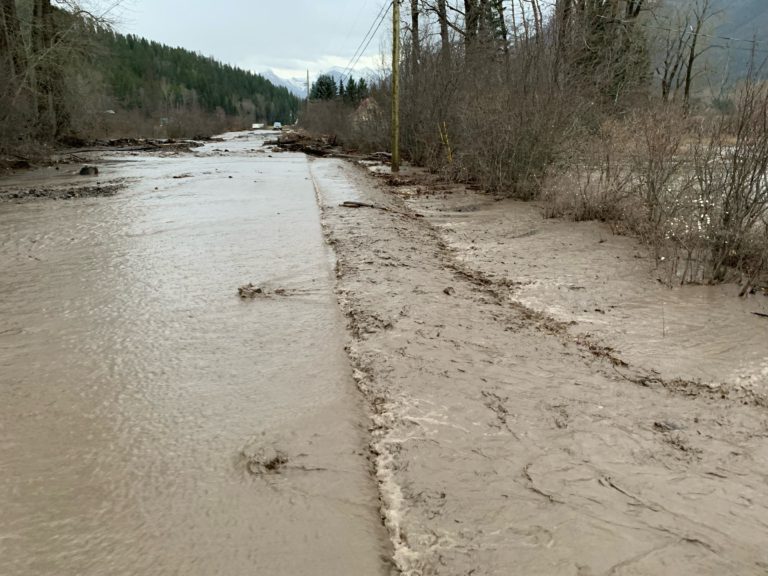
(761, 314)
(354, 204)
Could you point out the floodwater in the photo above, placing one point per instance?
(608, 285)
(139, 393)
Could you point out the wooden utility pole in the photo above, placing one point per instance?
(395, 164)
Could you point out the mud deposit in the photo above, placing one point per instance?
(516, 434)
(57, 184)
(152, 422)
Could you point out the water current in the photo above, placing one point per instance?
(140, 396)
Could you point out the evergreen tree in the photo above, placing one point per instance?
(351, 90)
(157, 79)
(362, 90)
(324, 88)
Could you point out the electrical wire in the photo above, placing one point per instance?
(367, 39)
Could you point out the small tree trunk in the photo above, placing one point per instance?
(10, 38)
(415, 36)
(701, 17)
(503, 32)
(53, 116)
(538, 20)
(445, 40)
(471, 24)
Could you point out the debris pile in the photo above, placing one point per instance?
(266, 460)
(250, 291)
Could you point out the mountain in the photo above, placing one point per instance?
(742, 19)
(337, 72)
(296, 86)
(738, 24)
(733, 25)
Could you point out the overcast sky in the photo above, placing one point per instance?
(287, 36)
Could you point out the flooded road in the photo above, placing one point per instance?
(138, 393)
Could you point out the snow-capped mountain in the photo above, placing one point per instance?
(337, 72)
(296, 86)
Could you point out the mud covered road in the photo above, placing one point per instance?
(510, 441)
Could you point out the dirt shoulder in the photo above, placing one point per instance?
(506, 442)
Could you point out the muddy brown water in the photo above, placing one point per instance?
(610, 287)
(139, 394)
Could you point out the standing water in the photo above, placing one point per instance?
(141, 400)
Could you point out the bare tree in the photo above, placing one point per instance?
(41, 43)
(415, 35)
(682, 44)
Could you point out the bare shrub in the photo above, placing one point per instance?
(595, 182)
(696, 192)
(732, 171)
(662, 186)
(363, 127)
(493, 119)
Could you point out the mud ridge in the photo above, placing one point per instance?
(380, 412)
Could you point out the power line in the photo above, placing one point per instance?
(703, 35)
(369, 42)
(754, 42)
(680, 30)
(367, 39)
(361, 8)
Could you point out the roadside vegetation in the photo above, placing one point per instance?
(615, 110)
(66, 77)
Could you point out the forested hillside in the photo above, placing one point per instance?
(64, 74)
(161, 80)
(743, 19)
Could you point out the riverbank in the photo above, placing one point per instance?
(516, 438)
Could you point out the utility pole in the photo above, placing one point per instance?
(395, 164)
(307, 99)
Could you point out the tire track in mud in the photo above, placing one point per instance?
(504, 444)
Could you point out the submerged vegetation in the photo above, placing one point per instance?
(602, 109)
